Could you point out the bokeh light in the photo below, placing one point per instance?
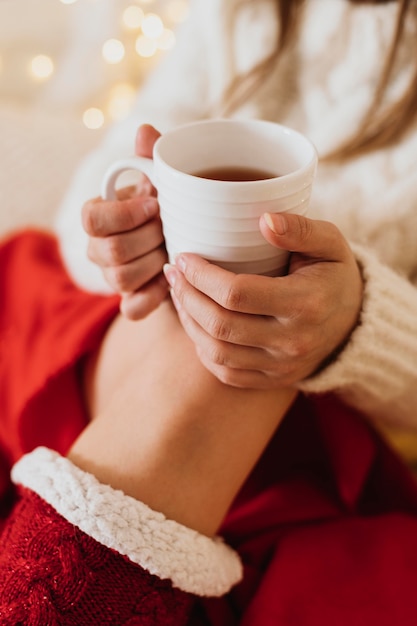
(152, 26)
(93, 118)
(137, 28)
(41, 67)
(145, 47)
(113, 51)
(132, 16)
(121, 99)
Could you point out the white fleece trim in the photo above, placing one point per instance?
(193, 562)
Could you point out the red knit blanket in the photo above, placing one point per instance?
(327, 522)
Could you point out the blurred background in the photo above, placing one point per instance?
(68, 69)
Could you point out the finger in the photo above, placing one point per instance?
(315, 238)
(126, 247)
(124, 193)
(102, 218)
(144, 186)
(217, 322)
(146, 137)
(224, 353)
(236, 377)
(244, 293)
(243, 379)
(134, 275)
(140, 304)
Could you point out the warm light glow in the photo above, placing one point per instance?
(167, 40)
(93, 118)
(121, 100)
(132, 17)
(142, 24)
(177, 10)
(145, 47)
(152, 26)
(113, 51)
(41, 67)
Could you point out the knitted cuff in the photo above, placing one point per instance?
(193, 562)
(379, 359)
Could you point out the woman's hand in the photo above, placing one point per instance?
(261, 332)
(126, 240)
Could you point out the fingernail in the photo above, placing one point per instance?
(171, 273)
(277, 223)
(150, 207)
(180, 262)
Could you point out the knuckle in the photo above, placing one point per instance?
(218, 327)
(233, 295)
(297, 348)
(118, 278)
(216, 355)
(305, 228)
(114, 250)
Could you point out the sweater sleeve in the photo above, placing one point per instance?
(377, 370)
(75, 551)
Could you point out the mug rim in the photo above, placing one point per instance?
(169, 176)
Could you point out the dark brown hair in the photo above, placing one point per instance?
(380, 126)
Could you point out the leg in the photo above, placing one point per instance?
(165, 430)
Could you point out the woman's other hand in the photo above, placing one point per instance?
(126, 240)
(262, 332)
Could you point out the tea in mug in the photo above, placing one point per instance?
(235, 173)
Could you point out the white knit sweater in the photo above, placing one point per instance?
(321, 87)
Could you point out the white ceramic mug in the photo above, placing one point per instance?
(219, 219)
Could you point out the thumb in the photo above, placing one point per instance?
(145, 139)
(295, 233)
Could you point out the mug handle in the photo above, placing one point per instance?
(141, 164)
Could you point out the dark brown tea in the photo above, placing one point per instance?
(236, 173)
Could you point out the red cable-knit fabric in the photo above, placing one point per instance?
(326, 524)
(46, 327)
(52, 574)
